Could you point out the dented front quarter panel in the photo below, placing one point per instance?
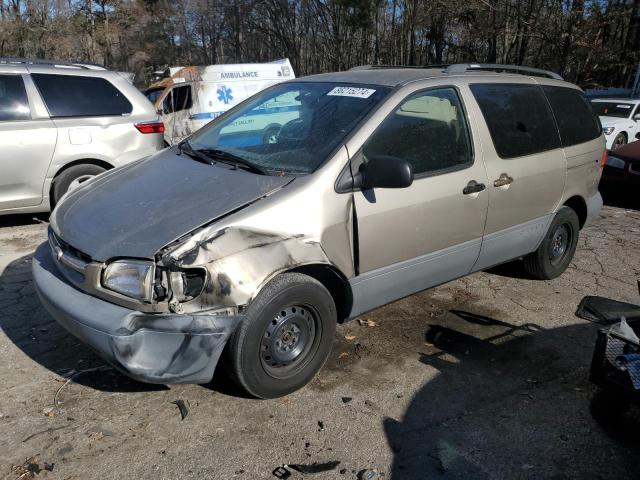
(305, 223)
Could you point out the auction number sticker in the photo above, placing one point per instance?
(351, 92)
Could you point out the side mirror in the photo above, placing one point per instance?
(636, 116)
(384, 171)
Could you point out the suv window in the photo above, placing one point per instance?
(14, 104)
(519, 118)
(179, 98)
(576, 120)
(428, 130)
(76, 96)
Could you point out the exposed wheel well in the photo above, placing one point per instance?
(82, 161)
(333, 281)
(579, 206)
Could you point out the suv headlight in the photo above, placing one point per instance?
(133, 278)
(608, 130)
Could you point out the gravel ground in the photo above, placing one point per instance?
(484, 377)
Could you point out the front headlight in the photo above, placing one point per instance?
(133, 278)
(608, 130)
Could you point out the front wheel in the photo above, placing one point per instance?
(557, 248)
(285, 338)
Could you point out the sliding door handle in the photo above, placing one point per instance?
(503, 180)
(473, 187)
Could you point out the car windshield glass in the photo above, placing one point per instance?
(291, 127)
(612, 109)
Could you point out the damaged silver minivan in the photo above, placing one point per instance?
(378, 183)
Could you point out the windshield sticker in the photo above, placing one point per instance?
(351, 92)
(623, 106)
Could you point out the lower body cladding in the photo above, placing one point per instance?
(153, 348)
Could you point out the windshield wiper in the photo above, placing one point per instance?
(230, 158)
(186, 148)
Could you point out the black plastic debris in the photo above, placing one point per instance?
(320, 426)
(346, 399)
(281, 472)
(606, 311)
(316, 467)
(184, 411)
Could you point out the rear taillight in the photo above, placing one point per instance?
(150, 127)
(603, 160)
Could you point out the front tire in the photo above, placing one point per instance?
(285, 338)
(557, 248)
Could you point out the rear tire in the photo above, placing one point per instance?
(285, 337)
(557, 248)
(72, 176)
(620, 140)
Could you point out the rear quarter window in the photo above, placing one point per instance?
(14, 104)
(519, 118)
(576, 119)
(76, 96)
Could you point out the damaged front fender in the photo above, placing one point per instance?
(239, 262)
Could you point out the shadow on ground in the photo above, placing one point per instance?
(16, 220)
(510, 402)
(28, 325)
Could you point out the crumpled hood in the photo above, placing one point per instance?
(136, 210)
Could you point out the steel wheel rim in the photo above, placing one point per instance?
(560, 242)
(289, 340)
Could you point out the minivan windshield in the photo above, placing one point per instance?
(612, 109)
(289, 128)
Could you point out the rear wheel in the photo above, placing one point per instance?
(620, 140)
(72, 178)
(557, 248)
(285, 338)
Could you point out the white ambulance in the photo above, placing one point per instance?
(190, 97)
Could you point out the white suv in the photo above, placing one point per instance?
(63, 123)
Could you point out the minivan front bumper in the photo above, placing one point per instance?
(149, 347)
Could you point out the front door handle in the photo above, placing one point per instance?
(473, 187)
(503, 180)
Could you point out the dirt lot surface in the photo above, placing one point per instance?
(484, 377)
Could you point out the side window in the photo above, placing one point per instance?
(14, 104)
(77, 96)
(576, 120)
(167, 103)
(519, 118)
(182, 98)
(428, 130)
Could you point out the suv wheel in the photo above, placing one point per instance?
(285, 338)
(557, 249)
(72, 178)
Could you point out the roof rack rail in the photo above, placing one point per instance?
(382, 67)
(51, 63)
(465, 67)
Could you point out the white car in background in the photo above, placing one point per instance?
(620, 120)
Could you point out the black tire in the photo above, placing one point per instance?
(549, 261)
(288, 300)
(620, 140)
(62, 182)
